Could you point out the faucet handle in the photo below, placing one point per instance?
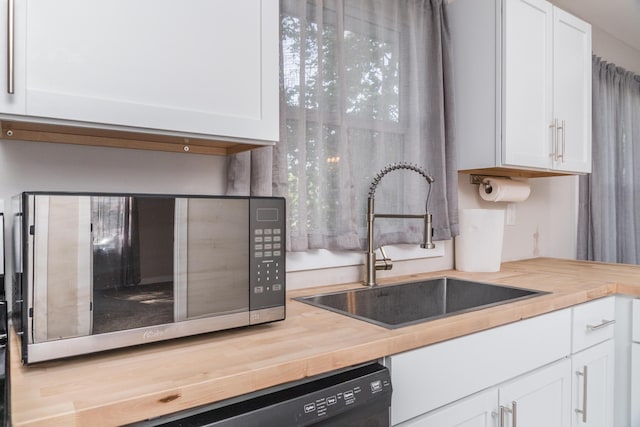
(385, 263)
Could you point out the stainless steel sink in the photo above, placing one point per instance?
(404, 304)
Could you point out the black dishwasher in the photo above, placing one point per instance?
(356, 397)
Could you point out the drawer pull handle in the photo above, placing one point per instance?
(583, 411)
(604, 324)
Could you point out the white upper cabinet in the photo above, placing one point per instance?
(205, 67)
(522, 73)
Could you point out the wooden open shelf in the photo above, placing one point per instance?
(43, 132)
(512, 172)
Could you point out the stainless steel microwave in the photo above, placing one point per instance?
(102, 271)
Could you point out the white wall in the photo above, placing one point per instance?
(616, 51)
(32, 166)
(545, 224)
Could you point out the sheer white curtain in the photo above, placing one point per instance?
(363, 84)
(609, 219)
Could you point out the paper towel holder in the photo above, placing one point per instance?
(479, 179)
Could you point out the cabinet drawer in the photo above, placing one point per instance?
(430, 377)
(635, 320)
(593, 323)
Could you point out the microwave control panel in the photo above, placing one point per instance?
(267, 227)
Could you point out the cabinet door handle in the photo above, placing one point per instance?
(554, 138)
(583, 411)
(564, 145)
(10, 44)
(559, 128)
(603, 324)
(514, 414)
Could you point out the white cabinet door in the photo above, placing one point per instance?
(542, 398)
(593, 389)
(635, 384)
(571, 92)
(198, 66)
(526, 83)
(635, 363)
(12, 103)
(476, 411)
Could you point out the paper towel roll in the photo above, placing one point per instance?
(503, 190)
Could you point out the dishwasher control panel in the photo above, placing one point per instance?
(341, 397)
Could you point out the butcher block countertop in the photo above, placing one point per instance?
(128, 385)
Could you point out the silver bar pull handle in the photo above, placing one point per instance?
(564, 145)
(554, 138)
(602, 325)
(559, 128)
(503, 410)
(10, 45)
(583, 411)
(514, 414)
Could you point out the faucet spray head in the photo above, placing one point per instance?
(427, 242)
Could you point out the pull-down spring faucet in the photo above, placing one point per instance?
(371, 264)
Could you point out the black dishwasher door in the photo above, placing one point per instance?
(353, 398)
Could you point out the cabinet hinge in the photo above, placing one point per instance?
(32, 230)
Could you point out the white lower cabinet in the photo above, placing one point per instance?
(540, 398)
(635, 365)
(555, 370)
(593, 390)
(432, 377)
(635, 383)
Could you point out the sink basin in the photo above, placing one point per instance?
(404, 304)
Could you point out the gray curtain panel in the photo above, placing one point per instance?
(363, 84)
(609, 216)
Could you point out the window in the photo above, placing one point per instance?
(364, 84)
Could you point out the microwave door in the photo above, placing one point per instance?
(211, 257)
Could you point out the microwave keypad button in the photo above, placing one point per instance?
(276, 246)
(276, 238)
(258, 289)
(277, 253)
(268, 253)
(276, 231)
(268, 246)
(267, 238)
(277, 287)
(258, 239)
(259, 247)
(259, 255)
(268, 231)
(258, 232)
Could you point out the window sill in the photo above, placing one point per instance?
(322, 258)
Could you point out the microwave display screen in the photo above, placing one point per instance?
(267, 215)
